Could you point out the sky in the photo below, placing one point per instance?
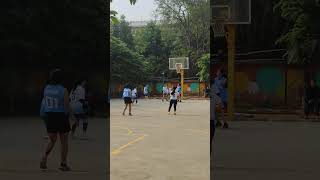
(141, 11)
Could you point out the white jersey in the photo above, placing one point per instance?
(75, 96)
(174, 96)
(145, 90)
(165, 90)
(134, 92)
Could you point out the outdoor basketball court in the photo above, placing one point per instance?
(22, 143)
(154, 145)
(267, 150)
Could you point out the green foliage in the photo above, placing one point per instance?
(123, 31)
(191, 20)
(185, 34)
(126, 65)
(303, 24)
(204, 67)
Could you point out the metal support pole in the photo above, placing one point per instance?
(182, 83)
(231, 37)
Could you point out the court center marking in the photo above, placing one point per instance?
(130, 132)
(118, 150)
(197, 131)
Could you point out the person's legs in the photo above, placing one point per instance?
(171, 102)
(64, 147)
(130, 109)
(50, 146)
(64, 151)
(125, 108)
(175, 106)
(85, 124)
(75, 124)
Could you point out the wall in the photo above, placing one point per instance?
(191, 88)
(22, 90)
(265, 85)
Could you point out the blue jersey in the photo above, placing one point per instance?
(126, 92)
(54, 98)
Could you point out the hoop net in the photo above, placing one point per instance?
(218, 28)
(178, 67)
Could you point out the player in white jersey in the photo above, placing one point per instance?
(165, 93)
(173, 100)
(79, 105)
(146, 91)
(135, 95)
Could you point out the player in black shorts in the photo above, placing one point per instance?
(57, 108)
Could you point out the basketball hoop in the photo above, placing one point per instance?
(178, 67)
(218, 28)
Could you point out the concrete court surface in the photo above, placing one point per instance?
(22, 143)
(152, 145)
(267, 150)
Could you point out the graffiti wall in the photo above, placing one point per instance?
(190, 88)
(267, 85)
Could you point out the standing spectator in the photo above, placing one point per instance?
(145, 91)
(220, 82)
(165, 92)
(311, 98)
(179, 90)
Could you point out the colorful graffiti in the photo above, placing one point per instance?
(190, 88)
(259, 84)
(270, 80)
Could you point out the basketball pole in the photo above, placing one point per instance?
(231, 38)
(182, 82)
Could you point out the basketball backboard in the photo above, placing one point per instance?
(231, 11)
(180, 63)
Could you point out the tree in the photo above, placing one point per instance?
(204, 67)
(126, 65)
(302, 18)
(123, 31)
(192, 20)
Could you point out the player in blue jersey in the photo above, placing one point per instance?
(57, 108)
(127, 97)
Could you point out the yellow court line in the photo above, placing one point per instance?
(130, 132)
(118, 150)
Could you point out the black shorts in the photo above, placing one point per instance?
(127, 100)
(58, 122)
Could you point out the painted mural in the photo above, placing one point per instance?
(191, 88)
(266, 84)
